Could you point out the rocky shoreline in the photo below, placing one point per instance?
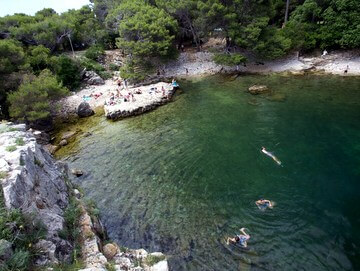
(40, 187)
(193, 64)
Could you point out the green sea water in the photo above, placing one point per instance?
(183, 177)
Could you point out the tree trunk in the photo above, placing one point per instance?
(287, 11)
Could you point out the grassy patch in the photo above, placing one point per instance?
(23, 232)
(3, 174)
(20, 141)
(110, 267)
(10, 148)
(38, 163)
(150, 260)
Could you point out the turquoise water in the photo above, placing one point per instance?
(183, 177)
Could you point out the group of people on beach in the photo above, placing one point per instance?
(119, 96)
(242, 238)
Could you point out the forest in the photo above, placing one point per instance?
(37, 67)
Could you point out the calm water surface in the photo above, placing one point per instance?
(182, 178)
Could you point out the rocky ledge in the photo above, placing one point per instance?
(138, 100)
(33, 182)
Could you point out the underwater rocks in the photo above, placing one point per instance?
(258, 89)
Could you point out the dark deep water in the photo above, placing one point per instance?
(183, 177)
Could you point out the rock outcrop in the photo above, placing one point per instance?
(35, 183)
(92, 78)
(258, 89)
(151, 97)
(84, 110)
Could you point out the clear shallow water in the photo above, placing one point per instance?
(182, 178)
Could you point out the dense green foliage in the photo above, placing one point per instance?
(229, 59)
(144, 29)
(31, 101)
(22, 232)
(148, 30)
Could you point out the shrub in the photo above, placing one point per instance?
(91, 65)
(23, 232)
(10, 148)
(94, 52)
(229, 59)
(3, 174)
(150, 260)
(67, 71)
(72, 214)
(113, 67)
(32, 100)
(19, 141)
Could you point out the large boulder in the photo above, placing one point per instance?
(92, 78)
(258, 89)
(84, 110)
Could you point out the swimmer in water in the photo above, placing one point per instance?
(271, 155)
(263, 204)
(240, 239)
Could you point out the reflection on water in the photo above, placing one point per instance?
(182, 178)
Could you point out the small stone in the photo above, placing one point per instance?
(77, 172)
(77, 193)
(63, 142)
(110, 251)
(52, 148)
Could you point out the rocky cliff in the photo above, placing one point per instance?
(35, 183)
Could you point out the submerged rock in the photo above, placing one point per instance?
(68, 135)
(277, 97)
(63, 142)
(258, 89)
(84, 110)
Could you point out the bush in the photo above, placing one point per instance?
(229, 59)
(23, 232)
(91, 65)
(3, 174)
(136, 70)
(19, 141)
(10, 148)
(32, 100)
(67, 71)
(94, 52)
(72, 214)
(113, 67)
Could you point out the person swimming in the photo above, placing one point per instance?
(263, 204)
(240, 239)
(271, 155)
